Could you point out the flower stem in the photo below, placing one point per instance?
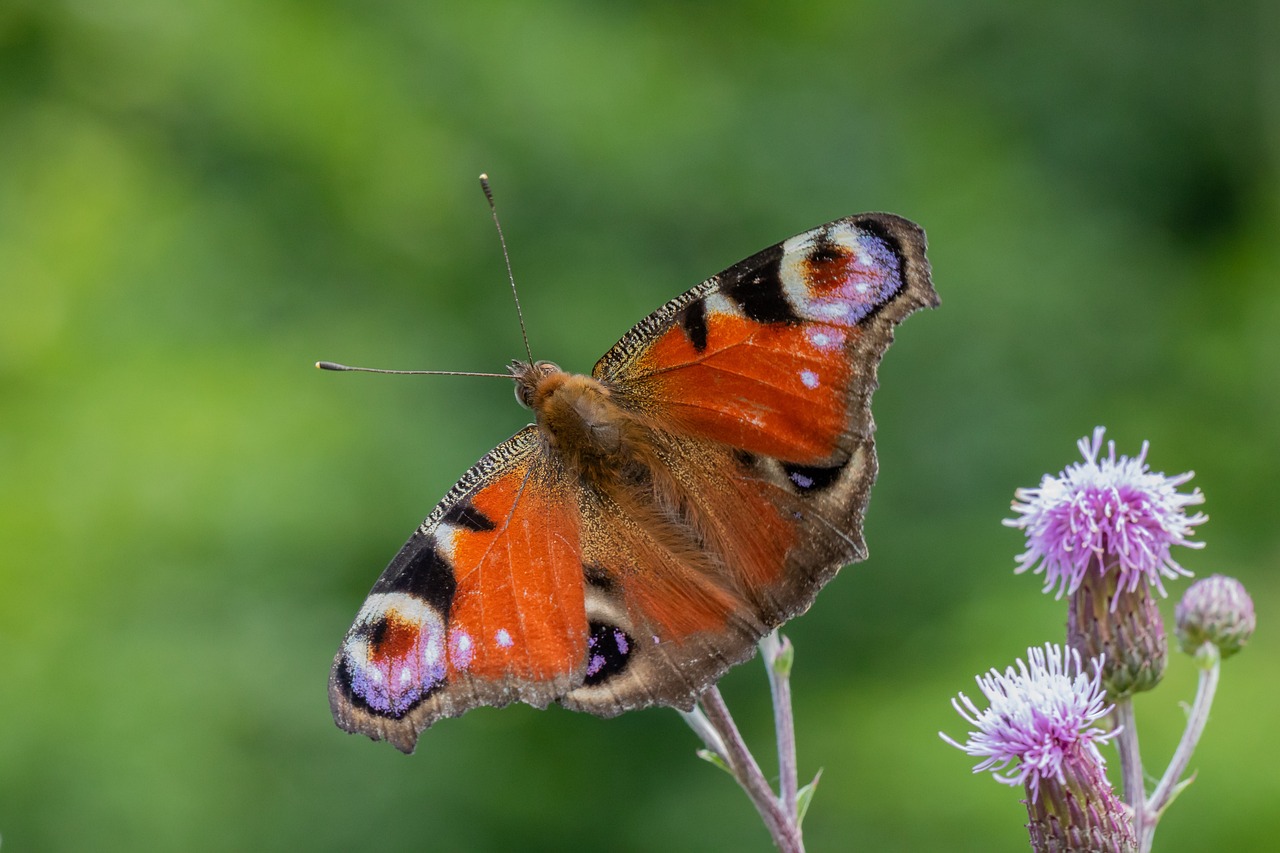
(777, 651)
(1196, 720)
(1131, 777)
(712, 722)
(743, 766)
(702, 727)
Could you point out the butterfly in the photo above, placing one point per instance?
(661, 514)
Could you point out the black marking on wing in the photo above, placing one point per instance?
(376, 633)
(463, 514)
(825, 251)
(599, 577)
(344, 685)
(810, 478)
(759, 292)
(609, 651)
(693, 320)
(420, 571)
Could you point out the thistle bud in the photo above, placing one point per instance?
(1215, 610)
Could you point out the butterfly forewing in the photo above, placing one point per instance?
(483, 605)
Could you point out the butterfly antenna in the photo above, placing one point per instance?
(488, 194)
(329, 365)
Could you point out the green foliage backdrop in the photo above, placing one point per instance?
(200, 199)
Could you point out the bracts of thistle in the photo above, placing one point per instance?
(1041, 730)
(1130, 639)
(1101, 531)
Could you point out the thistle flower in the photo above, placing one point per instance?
(1110, 512)
(1041, 731)
(1038, 714)
(1102, 532)
(1215, 610)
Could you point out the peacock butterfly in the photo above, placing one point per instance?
(662, 514)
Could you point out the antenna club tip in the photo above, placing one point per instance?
(484, 176)
(329, 365)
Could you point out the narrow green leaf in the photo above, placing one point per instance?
(713, 758)
(1177, 791)
(803, 797)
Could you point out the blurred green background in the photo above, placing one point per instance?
(199, 200)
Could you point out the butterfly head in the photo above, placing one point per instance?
(528, 376)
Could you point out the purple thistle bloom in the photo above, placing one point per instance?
(1042, 716)
(1112, 509)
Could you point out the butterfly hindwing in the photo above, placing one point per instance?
(669, 593)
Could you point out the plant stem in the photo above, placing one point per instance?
(786, 835)
(713, 723)
(1131, 777)
(773, 648)
(1196, 720)
(702, 727)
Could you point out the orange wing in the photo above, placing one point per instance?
(482, 606)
